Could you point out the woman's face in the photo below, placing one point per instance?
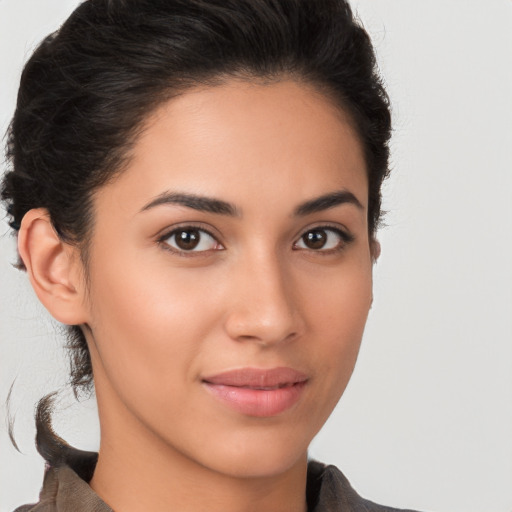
(230, 277)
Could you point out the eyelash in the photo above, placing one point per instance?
(183, 229)
(345, 239)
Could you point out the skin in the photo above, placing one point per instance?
(158, 320)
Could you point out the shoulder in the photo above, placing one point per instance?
(64, 490)
(330, 491)
(47, 498)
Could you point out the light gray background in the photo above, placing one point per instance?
(427, 419)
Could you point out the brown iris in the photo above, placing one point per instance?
(187, 239)
(315, 239)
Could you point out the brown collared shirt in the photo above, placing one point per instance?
(65, 489)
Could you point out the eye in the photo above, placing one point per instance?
(323, 239)
(190, 239)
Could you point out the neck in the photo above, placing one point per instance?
(137, 470)
(133, 477)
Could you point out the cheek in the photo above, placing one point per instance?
(155, 325)
(337, 314)
(148, 325)
(338, 300)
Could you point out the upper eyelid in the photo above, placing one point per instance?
(169, 231)
(347, 236)
(338, 228)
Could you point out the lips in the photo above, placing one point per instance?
(257, 392)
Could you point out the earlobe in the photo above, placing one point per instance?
(53, 267)
(375, 249)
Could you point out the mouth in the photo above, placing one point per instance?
(257, 392)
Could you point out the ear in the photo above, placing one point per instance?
(374, 253)
(54, 268)
(375, 249)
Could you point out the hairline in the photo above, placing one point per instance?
(124, 155)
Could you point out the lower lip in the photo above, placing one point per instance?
(262, 403)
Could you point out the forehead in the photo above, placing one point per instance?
(242, 140)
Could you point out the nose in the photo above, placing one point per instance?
(264, 306)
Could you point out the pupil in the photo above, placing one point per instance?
(187, 240)
(315, 239)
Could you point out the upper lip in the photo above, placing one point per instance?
(257, 378)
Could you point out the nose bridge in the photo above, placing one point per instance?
(264, 308)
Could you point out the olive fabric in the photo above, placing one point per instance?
(65, 489)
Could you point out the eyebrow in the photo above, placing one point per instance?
(196, 202)
(219, 207)
(326, 202)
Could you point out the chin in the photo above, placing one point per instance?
(258, 456)
(260, 467)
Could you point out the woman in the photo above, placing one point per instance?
(196, 190)
(209, 297)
